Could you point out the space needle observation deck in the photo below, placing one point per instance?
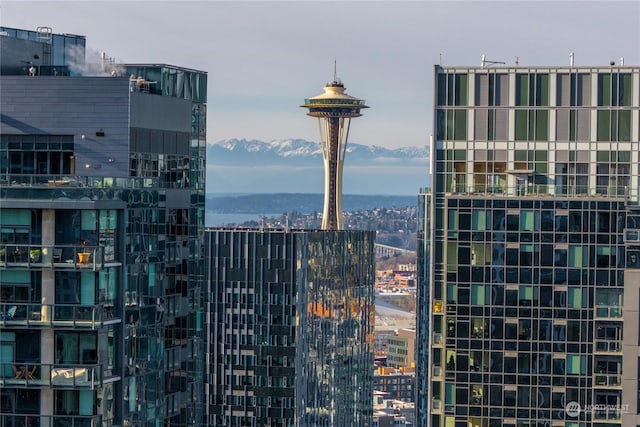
(334, 110)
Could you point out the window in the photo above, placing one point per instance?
(532, 125)
(573, 89)
(532, 89)
(36, 154)
(614, 89)
(451, 124)
(452, 89)
(614, 125)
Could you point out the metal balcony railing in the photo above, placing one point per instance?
(51, 315)
(58, 257)
(543, 190)
(607, 380)
(36, 420)
(608, 346)
(605, 311)
(34, 374)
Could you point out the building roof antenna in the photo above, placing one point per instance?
(486, 63)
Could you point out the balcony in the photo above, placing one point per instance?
(607, 412)
(437, 339)
(37, 375)
(437, 372)
(607, 380)
(543, 190)
(35, 420)
(608, 312)
(608, 346)
(52, 315)
(58, 257)
(438, 307)
(436, 405)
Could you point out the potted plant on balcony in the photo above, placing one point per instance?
(84, 256)
(34, 255)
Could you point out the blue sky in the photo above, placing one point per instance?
(264, 58)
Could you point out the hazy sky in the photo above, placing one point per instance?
(263, 58)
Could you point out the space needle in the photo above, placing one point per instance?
(334, 110)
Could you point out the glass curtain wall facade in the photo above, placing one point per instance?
(291, 330)
(524, 248)
(101, 272)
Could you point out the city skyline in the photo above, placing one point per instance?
(383, 49)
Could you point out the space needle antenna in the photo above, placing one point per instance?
(335, 72)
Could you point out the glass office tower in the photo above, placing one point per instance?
(529, 249)
(101, 225)
(290, 335)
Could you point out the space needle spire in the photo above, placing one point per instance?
(334, 110)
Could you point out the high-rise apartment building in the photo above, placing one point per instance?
(529, 249)
(101, 221)
(290, 336)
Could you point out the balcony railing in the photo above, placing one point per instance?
(606, 412)
(59, 256)
(543, 190)
(608, 346)
(36, 420)
(33, 374)
(437, 338)
(607, 380)
(51, 315)
(606, 311)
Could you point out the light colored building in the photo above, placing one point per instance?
(529, 248)
(401, 349)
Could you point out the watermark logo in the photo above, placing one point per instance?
(572, 409)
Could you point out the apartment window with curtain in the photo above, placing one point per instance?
(572, 92)
(492, 90)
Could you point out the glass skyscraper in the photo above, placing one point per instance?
(101, 232)
(290, 335)
(529, 249)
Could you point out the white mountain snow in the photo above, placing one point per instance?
(302, 152)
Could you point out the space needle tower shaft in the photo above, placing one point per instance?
(334, 110)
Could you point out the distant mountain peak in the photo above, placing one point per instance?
(247, 151)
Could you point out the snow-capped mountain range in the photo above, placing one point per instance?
(303, 152)
(295, 166)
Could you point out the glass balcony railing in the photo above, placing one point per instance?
(543, 190)
(606, 412)
(75, 315)
(608, 346)
(36, 420)
(33, 374)
(607, 380)
(59, 256)
(605, 311)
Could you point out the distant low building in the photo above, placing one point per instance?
(401, 349)
(397, 384)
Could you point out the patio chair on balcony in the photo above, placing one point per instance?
(9, 314)
(57, 254)
(32, 374)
